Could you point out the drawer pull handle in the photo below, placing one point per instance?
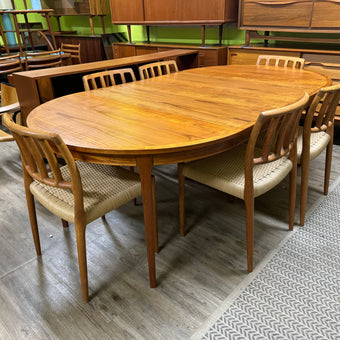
(277, 3)
(334, 65)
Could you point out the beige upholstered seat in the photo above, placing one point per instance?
(74, 50)
(108, 78)
(157, 69)
(248, 171)
(279, 60)
(78, 192)
(315, 136)
(38, 60)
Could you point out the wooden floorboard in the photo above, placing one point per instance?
(40, 298)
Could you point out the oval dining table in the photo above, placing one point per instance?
(174, 118)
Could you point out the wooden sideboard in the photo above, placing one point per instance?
(325, 61)
(312, 16)
(207, 56)
(173, 12)
(39, 86)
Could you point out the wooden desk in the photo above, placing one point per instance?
(39, 86)
(170, 119)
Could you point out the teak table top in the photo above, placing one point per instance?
(170, 119)
(182, 111)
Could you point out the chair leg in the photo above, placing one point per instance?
(32, 213)
(64, 223)
(249, 204)
(181, 193)
(81, 248)
(305, 159)
(328, 165)
(292, 194)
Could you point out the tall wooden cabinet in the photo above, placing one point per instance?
(312, 16)
(174, 12)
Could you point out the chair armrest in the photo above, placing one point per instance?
(10, 108)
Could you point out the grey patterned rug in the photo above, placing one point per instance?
(296, 294)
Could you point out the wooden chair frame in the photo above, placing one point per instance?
(319, 117)
(278, 60)
(40, 153)
(107, 78)
(157, 69)
(74, 50)
(10, 64)
(278, 129)
(38, 60)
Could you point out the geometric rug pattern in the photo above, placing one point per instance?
(296, 295)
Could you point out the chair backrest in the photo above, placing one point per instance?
(277, 130)
(279, 60)
(108, 78)
(320, 115)
(74, 50)
(37, 60)
(10, 64)
(157, 69)
(40, 152)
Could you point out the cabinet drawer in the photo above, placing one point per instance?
(277, 13)
(212, 58)
(326, 14)
(122, 51)
(326, 64)
(249, 57)
(140, 50)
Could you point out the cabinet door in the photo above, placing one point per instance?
(184, 10)
(243, 56)
(127, 11)
(326, 14)
(276, 13)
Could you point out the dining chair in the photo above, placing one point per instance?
(38, 60)
(77, 192)
(74, 50)
(10, 64)
(108, 78)
(248, 171)
(157, 69)
(9, 104)
(280, 60)
(316, 135)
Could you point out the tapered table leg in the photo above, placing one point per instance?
(144, 165)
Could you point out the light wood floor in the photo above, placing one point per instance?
(40, 298)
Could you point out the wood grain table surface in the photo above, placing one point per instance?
(170, 119)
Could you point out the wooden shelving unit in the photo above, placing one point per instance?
(46, 13)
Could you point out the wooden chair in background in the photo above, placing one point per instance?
(10, 64)
(74, 51)
(78, 192)
(316, 135)
(38, 60)
(279, 60)
(157, 69)
(108, 78)
(248, 171)
(9, 104)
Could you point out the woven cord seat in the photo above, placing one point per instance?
(248, 171)
(315, 136)
(318, 143)
(225, 172)
(105, 188)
